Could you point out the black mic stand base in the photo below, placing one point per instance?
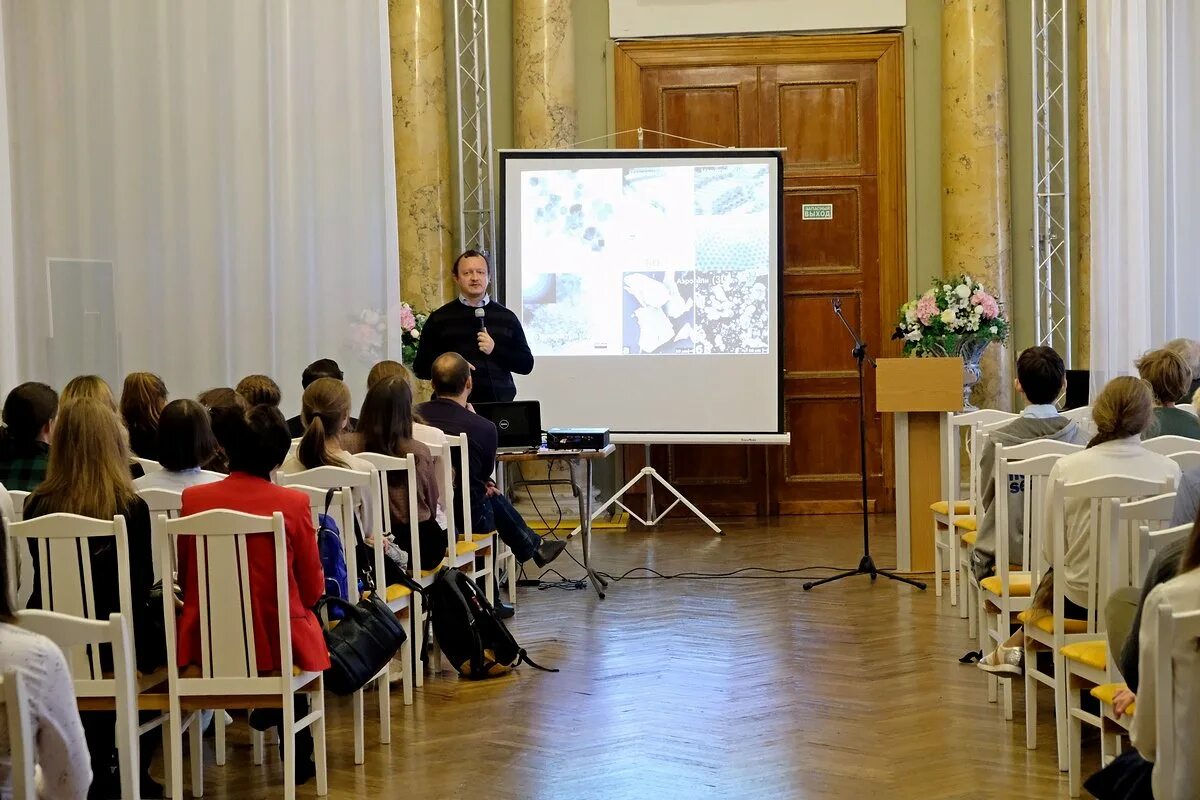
(865, 567)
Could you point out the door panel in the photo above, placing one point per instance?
(819, 98)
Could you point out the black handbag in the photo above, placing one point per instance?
(364, 640)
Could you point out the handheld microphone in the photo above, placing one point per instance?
(479, 316)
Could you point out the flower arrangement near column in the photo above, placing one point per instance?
(955, 317)
(411, 324)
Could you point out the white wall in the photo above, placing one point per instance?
(635, 18)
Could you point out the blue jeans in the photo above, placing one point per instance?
(497, 513)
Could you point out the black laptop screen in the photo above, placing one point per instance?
(518, 423)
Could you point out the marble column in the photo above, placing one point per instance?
(422, 144)
(976, 226)
(1081, 308)
(543, 74)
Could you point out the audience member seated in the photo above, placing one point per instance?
(387, 369)
(1041, 376)
(321, 368)
(1169, 377)
(29, 413)
(88, 474)
(385, 425)
(490, 509)
(186, 442)
(326, 413)
(60, 752)
(142, 401)
(1132, 774)
(1189, 351)
(421, 431)
(89, 387)
(222, 397)
(1122, 414)
(257, 441)
(259, 390)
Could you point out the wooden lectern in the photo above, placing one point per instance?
(919, 391)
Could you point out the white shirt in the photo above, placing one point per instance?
(61, 753)
(365, 503)
(176, 481)
(1120, 457)
(1182, 594)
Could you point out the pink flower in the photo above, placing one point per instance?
(927, 309)
(408, 320)
(991, 309)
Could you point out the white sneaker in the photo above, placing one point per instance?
(1003, 661)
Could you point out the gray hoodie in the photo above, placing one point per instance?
(1019, 431)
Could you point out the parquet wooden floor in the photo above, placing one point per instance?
(703, 688)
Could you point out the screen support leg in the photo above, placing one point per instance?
(651, 475)
(649, 489)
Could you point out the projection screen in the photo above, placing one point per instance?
(648, 286)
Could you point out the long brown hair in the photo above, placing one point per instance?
(386, 418)
(324, 411)
(143, 398)
(88, 387)
(1124, 408)
(88, 469)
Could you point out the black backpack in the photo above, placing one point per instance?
(470, 634)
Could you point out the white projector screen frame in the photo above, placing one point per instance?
(719, 397)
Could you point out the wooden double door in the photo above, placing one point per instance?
(835, 103)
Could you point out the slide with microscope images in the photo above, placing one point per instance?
(653, 260)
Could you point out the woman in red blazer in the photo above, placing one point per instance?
(257, 441)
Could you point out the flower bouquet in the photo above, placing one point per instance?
(411, 324)
(955, 317)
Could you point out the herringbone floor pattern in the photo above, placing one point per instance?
(704, 689)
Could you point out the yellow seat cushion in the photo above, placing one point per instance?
(966, 524)
(1045, 622)
(943, 507)
(970, 537)
(1020, 584)
(462, 548)
(1091, 654)
(395, 591)
(1107, 692)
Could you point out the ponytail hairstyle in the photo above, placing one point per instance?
(324, 411)
(1124, 408)
(143, 398)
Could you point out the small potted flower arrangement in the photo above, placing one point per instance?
(956, 316)
(411, 324)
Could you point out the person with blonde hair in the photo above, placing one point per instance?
(259, 390)
(88, 474)
(1122, 413)
(89, 387)
(1189, 351)
(143, 398)
(387, 369)
(1169, 376)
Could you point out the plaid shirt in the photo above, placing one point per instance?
(24, 471)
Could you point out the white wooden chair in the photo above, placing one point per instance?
(229, 676)
(955, 515)
(1188, 407)
(63, 542)
(161, 502)
(97, 689)
(1007, 593)
(17, 553)
(481, 544)
(1166, 445)
(18, 503)
(1187, 459)
(348, 484)
(148, 465)
(1178, 632)
(17, 718)
(1053, 631)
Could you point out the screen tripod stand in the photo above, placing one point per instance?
(867, 565)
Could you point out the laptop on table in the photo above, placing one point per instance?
(518, 424)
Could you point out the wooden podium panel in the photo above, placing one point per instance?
(919, 391)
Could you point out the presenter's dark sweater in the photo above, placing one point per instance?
(453, 328)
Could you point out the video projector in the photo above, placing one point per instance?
(577, 438)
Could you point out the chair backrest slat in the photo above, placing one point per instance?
(1178, 633)
(1166, 445)
(1033, 470)
(1187, 460)
(385, 464)
(16, 714)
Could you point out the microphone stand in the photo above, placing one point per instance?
(867, 565)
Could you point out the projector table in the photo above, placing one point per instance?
(583, 488)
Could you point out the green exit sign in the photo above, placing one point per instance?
(816, 211)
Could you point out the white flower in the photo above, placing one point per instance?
(994, 330)
(963, 291)
(948, 316)
(910, 314)
(945, 287)
(416, 334)
(913, 335)
(977, 311)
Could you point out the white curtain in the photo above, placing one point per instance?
(201, 189)
(1143, 116)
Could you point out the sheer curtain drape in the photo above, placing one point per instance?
(201, 189)
(1143, 116)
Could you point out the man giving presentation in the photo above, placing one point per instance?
(479, 329)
